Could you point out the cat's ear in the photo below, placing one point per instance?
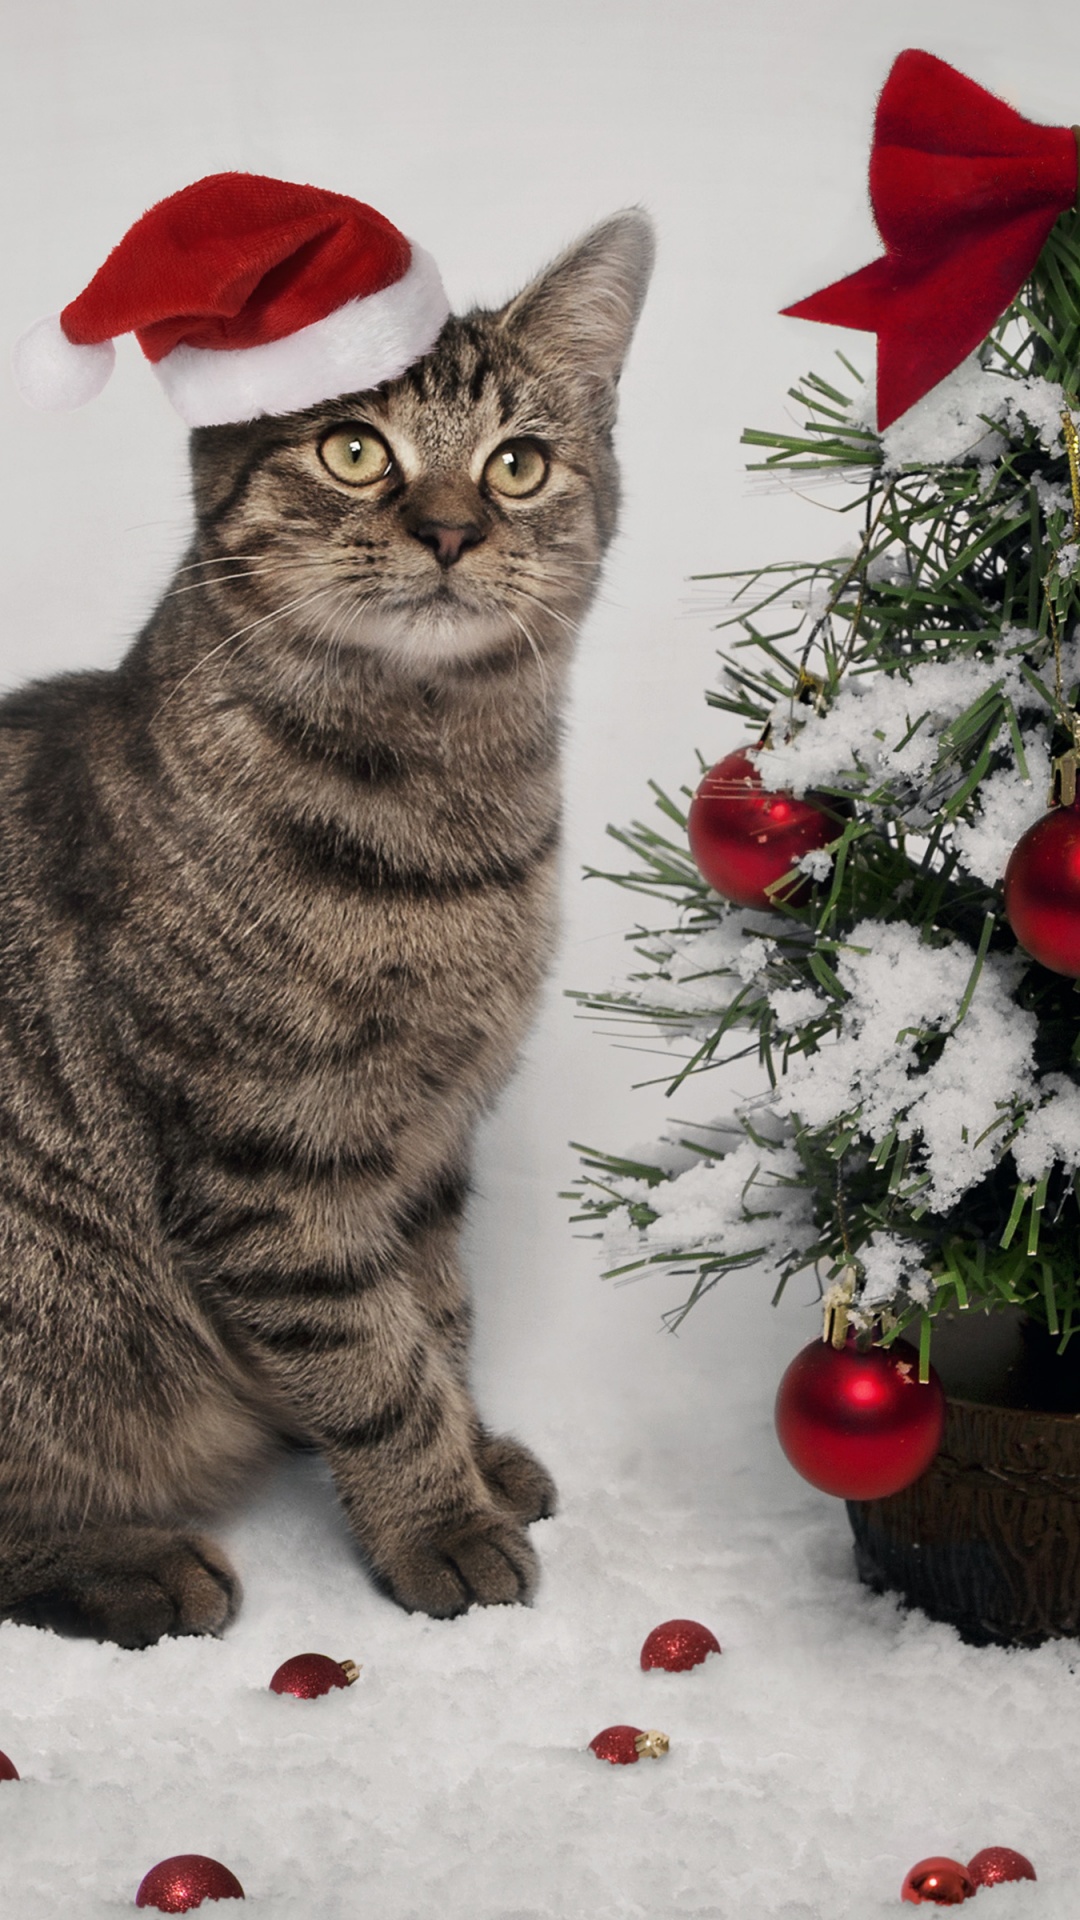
(582, 310)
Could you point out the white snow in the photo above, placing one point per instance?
(835, 1741)
(738, 1202)
(1051, 1132)
(795, 1005)
(697, 963)
(832, 1743)
(818, 863)
(957, 419)
(899, 988)
(889, 1265)
(1008, 805)
(888, 725)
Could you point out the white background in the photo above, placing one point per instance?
(494, 133)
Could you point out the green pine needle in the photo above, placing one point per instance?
(958, 561)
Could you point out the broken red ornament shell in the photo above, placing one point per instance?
(677, 1645)
(184, 1881)
(991, 1865)
(622, 1745)
(307, 1675)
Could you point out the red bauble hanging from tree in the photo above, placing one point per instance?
(1042, 890)
(859, 1425)
(744, 838)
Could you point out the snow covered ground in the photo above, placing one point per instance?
(831, 1745)
(835, 1741)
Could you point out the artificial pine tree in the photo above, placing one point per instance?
(918, 1141)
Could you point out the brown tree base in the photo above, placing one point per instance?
(989, 1538)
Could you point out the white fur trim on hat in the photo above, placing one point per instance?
(363, 343)
(52, 372)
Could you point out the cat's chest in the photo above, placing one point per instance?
(357, 1033)
(333, 966)
(332, 954)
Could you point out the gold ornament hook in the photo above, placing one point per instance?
(835, 1302)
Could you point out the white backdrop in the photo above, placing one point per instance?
(493, 134)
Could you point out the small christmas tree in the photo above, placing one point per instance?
(917, 1016)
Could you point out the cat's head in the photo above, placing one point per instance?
(459, 510)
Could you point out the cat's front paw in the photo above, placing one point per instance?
(483, 1560)
(131, 1585)
(186, 1586)
(516, 1477)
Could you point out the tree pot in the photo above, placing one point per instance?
(989, 1538)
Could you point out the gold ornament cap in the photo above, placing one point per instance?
(651, 1745)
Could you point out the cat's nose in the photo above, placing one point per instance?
(447, 543)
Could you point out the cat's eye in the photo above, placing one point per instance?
(517, 468)
(357, 455)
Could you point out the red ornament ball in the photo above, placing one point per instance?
(677, 1645)
(1042, 890)
(995, 1864)
(8, 1769)
(937, 1882)
(744, 838)
(307, 1675)
(623, 1746)
(184, 1881)
(859, 1425)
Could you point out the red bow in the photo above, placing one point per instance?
(964, 192)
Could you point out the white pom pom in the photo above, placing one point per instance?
(51, 372)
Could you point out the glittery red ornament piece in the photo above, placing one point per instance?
(937, 1882)
(1042, 890)
(307, 1675)
(184, 1881)
(859, 1425)
(8, 1769)
(677, 1645)
(992, 1865)
(617, 1744)
(744, 838)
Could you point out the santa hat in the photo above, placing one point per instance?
(248, 296)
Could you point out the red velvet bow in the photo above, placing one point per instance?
(964, 192)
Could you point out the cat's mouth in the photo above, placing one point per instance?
(440, 624)
(441, 594)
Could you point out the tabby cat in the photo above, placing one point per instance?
(276, 897)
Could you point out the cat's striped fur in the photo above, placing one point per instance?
(275, 900)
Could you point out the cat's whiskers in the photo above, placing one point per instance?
(554, 559)
(338, 613)
(541, 669)
(346, 603)
(220, 579)
(336, 642)
(553, 613)
(233, 559)
(290, 606)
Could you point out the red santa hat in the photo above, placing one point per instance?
(248, 296)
